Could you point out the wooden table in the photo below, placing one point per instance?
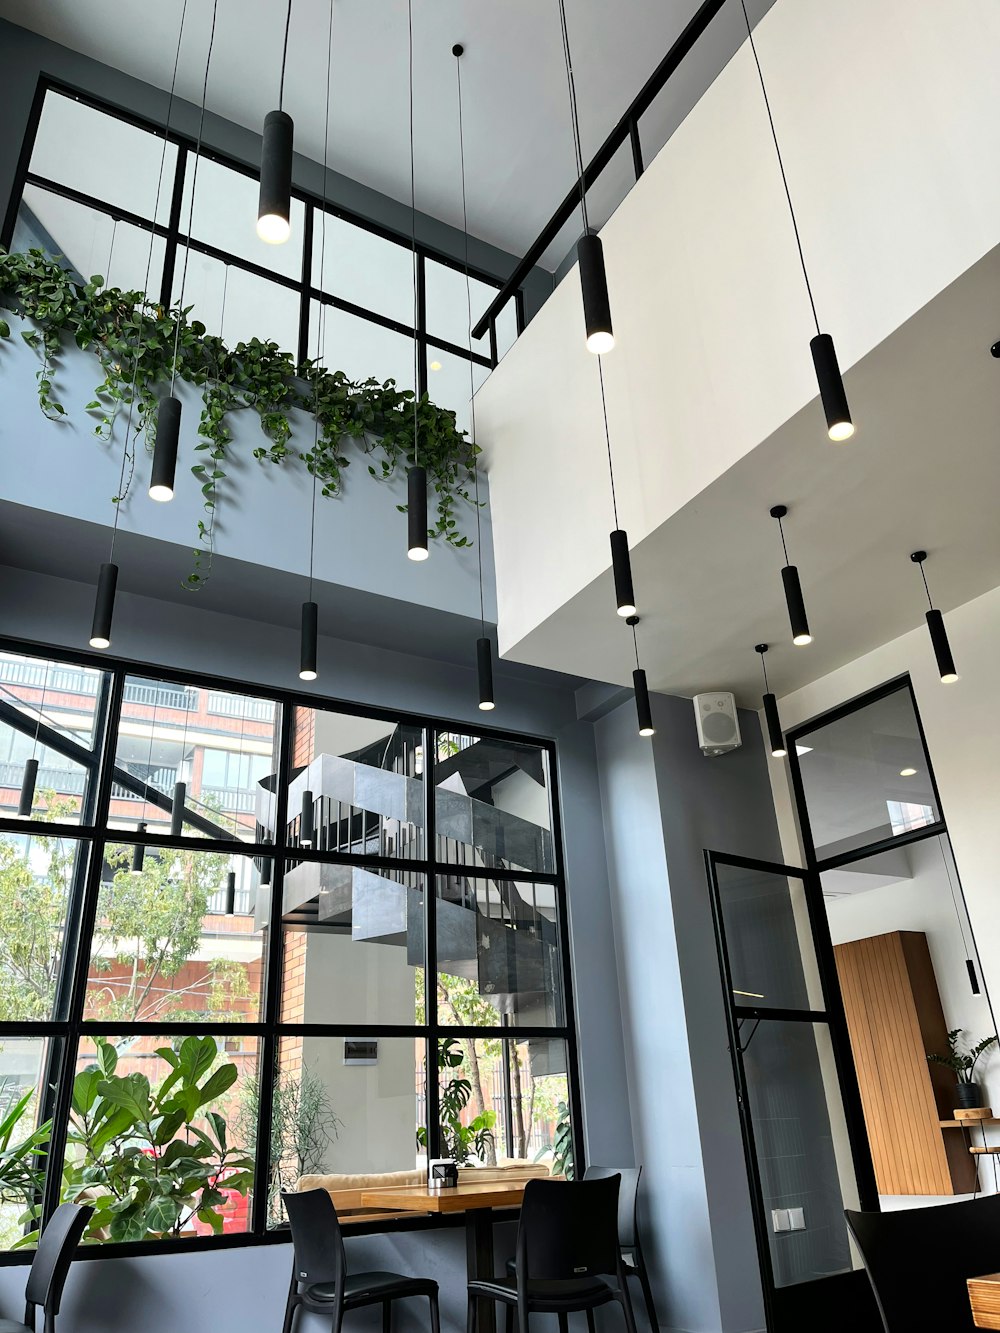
(984, 1297)
(477, 1202)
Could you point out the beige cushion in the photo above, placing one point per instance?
(334, 1184)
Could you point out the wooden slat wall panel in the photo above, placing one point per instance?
(894, 1018)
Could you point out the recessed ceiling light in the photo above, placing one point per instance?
(907, 772)
(435, 365)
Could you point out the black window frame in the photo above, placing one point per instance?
(65, 1033)
(175, 239)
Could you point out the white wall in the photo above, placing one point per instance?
(886, 111)
(962, 726)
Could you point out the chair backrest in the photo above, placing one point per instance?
(918, 1260)
(316, 1237)
(568, 1229)
(56, 1247)
(628, 1196)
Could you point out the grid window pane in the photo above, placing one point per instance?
(161, 1136)
(449, 386)
(238, 306)
(362, 349)
(82, 237)
(498, 953)
(163, 735)
(175, 938)
(353, 945)
(346, 1108)
(99, 154)
(27, 1091)
(363, 268)
(492, 805)
(448, 304)
(225, 216)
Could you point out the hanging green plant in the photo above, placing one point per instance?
(134, 341)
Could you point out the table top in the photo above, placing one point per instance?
(459, 1199)
(984, 1297)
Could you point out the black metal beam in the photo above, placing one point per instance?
(619, 135)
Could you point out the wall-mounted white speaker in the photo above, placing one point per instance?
(718, 722)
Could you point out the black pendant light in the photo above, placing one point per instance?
(938, 633)
(589, 249)
(139, 850)
(230, 893)
(776, 740)
(309, 631)
(621, 561)
(307, 827)
(484, 645)
(644, 712)
(265, 867)
(104, 608)
(794, 600)
(26, 802)
(274, 210)
(416, 476)
(177, 809)
(168, 417)
(839, 425)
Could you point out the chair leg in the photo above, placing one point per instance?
(626, 1300)
(470, 1319)
(591, 1322)
(647, 1291)
(290, 1305)
(387, 1317)
(435, 1313)
(508, 1314)
(564, 1323)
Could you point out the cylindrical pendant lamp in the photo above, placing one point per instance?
(642, 707)
(936, 629)
(621, 564)
(177, 809)
(416, 511)
(310, 623)
(484, 659)
(231, 893)
(596, 302)
(307, 829)
(794, 600)
(168, 431)
(274, 210)
(104, 607)
(839, 425)
(139, 850)
(28, 781)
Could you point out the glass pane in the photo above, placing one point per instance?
(175, 938)
(27, 1088)
(866, 776)
(346, 1108)
(503, 1102)
(448, 305)
(37, 876)
(363, 268)
(803, 1155)
(353, 945)
(359, 782)
(448, 384)
(64, 701)
(506, 328)
(82, 237)
(492, 804)
(498, 953)
(361, 349)
(769, 942)
(139, 1104)
(254, 307)
(171, 734)
(225, 215)
(98, 154)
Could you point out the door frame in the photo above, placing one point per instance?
(832, 1016)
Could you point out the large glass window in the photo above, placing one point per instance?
(223, 911)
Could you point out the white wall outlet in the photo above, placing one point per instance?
(779, 1219)
(796, 1219)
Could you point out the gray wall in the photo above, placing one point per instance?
(25, 55)
(664, 805)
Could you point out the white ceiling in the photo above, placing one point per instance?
(922, 471)
(518, 142)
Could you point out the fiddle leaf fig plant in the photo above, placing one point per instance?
(141, 346)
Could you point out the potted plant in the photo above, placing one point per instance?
(963, 1063)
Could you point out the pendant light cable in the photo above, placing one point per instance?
(457, 52)
(284, 57)
(194, 183)
(607, 437)
(762, 649)
(781, 531)
(41, 710)
(920, 566)
(413, 239)
(781, 164)
(574, 113)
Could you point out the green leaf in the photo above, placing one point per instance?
(162, 1214)
(213, 1219)
(220, 1082)
(85, 1087)
(130, 1093)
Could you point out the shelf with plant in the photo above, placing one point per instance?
(134, 341)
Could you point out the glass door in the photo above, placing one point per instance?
(806, 1149)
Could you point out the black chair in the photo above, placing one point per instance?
(320, 1280)
(628, 1229)
(567, 1244)
(49, 1268)
(918, 1260)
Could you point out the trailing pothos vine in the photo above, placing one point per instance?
(134, 340)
